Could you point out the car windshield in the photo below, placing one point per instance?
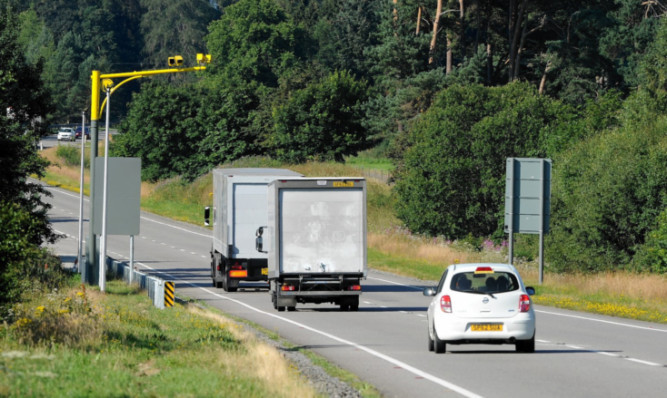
(484, 282)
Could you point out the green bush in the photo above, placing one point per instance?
(25, 266)
(71, 155)
(321, 121)
(652, 256)
(452, 178)
(607, 194)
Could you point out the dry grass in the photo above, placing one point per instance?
(621, 284)
(262, 360)
(58, 167)
(427, 249)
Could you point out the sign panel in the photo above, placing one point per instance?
(528, 195)
(123, 196)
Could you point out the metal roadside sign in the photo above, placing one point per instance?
(528, 200)
(124, 196)
(528, 195)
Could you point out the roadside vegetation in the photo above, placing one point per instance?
(75, 341)
(393, 248)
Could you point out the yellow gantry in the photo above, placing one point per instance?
(97, 78)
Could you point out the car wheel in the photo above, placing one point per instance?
(527, 346)
(439, 346)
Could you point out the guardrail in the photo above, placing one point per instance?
(155, 286)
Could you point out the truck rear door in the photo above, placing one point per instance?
(250, 213)
(322, 230)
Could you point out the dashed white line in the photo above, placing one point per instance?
(607, 354)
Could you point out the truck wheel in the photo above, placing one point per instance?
(354, 304)
(274, 300)
(281, 309)
(225, 283)
(291, 309)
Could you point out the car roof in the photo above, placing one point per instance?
(471, 267)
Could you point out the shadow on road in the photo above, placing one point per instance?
(54, 220)
(363, 309)
(391, 289)
(454, 351)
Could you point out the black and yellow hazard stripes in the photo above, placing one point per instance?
(169, 294)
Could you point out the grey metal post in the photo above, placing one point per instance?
(541, 254)
(88, 271)
(510, 248)
(83, 147)
(131, 258)
(103, 237)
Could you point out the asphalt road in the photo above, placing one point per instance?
(577, 354)
(52, 140)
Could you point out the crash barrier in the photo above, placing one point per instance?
(159, 290)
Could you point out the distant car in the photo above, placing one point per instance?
(481, 303)
(77, 135)
(66, 133)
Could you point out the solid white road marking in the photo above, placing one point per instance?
(603, 321)
(395, 362)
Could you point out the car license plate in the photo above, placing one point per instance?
(486, 327)
(265, 271)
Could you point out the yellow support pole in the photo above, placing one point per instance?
(90, 268)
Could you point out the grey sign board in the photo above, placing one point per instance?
(123, 196)
(528, 195)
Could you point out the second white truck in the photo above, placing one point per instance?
(239, 209)
(316, 241)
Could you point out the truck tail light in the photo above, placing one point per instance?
(446, 304)
(238, 273)
(287, 288)
(524, 303)
(354, 287)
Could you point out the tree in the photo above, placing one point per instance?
(345, 32)
(254, 41)
(162, 129)
(321, 121)
(174, 28)
(610, 190)
(23, 222)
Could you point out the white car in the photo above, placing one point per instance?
(481, 303)
(66, 133)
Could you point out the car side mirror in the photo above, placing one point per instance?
(429, 291)
(259, 241)
(207, 216)
(530, 290)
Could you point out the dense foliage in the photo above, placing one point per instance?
(452, 181)
(448, 97)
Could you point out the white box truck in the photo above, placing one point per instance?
(316, 241)
(239, 209)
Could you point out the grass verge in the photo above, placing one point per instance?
(84, 343)
(366, 390)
